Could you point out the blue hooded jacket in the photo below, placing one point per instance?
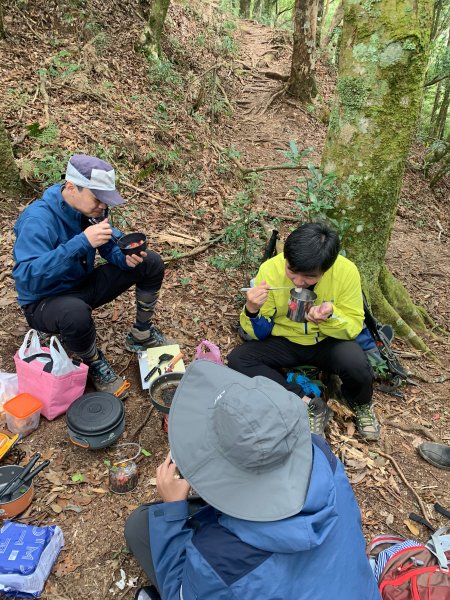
(318, 554)
(52, 254)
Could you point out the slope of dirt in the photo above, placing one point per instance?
(103, 99)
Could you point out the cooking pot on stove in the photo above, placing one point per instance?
(95, 420)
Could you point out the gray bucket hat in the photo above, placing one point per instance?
(244, 444)
(95, 174)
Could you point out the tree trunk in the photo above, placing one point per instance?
(244, 8)
(257, 8)
(380, 85)
(444, 168)
(2, 28)
(320, 15)
(301, 83)
(441, 120)
(436, 103)
(151, 36)
(11, 186)
(335, 21)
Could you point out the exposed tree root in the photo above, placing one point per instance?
(272, 99)
(392, 304)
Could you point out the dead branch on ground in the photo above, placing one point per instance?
(195, 251)
(412, 428)
(43, 90)
(405, 481)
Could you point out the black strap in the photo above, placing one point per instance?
(48, 368)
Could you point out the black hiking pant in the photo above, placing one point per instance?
(70, 314)
(344, 358)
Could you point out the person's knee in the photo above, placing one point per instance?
(75, 318)
(234, 359)
(136, 522)
(354, 362)
(154, 265)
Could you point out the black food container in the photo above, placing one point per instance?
(95, 420)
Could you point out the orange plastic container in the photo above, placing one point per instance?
(22, 414)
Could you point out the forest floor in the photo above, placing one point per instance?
(173, 138)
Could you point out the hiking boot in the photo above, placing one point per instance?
(148, 592)
(105, 379)
(437, 455)
(366, 422)
(319, 415)
(137, 340)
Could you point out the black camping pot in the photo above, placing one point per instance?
(95, 420)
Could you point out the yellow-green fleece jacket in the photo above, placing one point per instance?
(340, 285)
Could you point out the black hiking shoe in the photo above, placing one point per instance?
(105, 379)
(137, 340)
(148, 592)
(319, 415)
(366, 422)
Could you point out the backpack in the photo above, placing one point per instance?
(375, 339)
(410, 570)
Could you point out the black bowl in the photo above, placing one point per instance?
(132, 238)
(162, 390)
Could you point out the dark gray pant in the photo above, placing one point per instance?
(137, 535)
(344, 358)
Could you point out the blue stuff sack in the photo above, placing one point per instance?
(27, 555)
(309, 388)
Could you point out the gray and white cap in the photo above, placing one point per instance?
(95, 174)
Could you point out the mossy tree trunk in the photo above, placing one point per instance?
(301, 83)
(11, 186)
(151, 36)
(382, 67)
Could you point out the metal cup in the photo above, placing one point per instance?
(300, 302)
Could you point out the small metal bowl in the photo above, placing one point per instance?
(132, 238)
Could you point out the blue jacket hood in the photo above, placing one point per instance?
(304, 531)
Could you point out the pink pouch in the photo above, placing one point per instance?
(206, 350)
(56, 392)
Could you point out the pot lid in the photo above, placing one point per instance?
(95, 413)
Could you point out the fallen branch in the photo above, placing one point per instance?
(247, 170)
(405, 481)
(143, 424)
(412, 428)
(43, 90)
(195, 251)
(127, 184)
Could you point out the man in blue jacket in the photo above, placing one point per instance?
(57, 238)
(280, 520)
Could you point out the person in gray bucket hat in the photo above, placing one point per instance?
(57, 238)
(275, 514)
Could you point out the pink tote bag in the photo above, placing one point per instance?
(35, 377)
